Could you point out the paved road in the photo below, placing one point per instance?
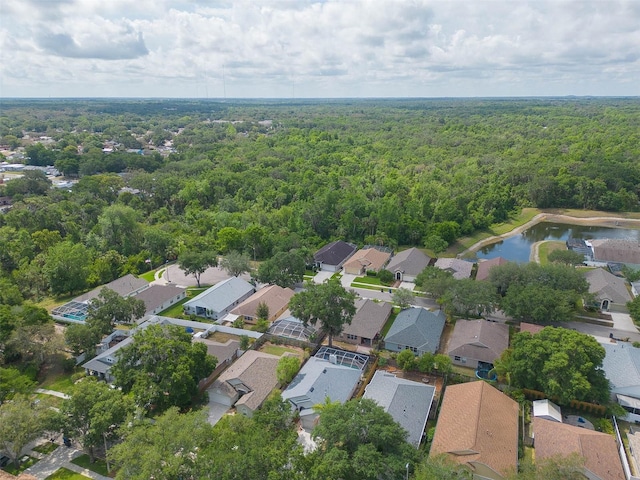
(601, 332)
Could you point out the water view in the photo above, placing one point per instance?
(518, 247)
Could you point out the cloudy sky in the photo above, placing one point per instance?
(306, 48)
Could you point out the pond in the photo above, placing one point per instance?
(518, 247)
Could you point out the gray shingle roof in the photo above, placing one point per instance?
(156, 295)
(335, 253)
(479, 339)
(222, 295)
(410, 262)
(459, 268)
(319, 379)
(616, 250)
(123, 286)
(369, 319)
(406, 401)
(607, 286)
(417, 327)
(621, 366)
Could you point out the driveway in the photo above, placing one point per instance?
(622, 321)
(322, 275)
(215, 411)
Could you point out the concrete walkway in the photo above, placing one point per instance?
(60, 457)
(52, 392)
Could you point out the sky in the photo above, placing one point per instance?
(318, 49)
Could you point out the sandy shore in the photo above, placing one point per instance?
(613, 222)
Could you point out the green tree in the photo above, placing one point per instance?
(67, 267)
(162, 367)
(196, 263)
(32, 182)
(229, 239)
(121, 229)
(434, 281)
(93, 411)
(22, 421)
(358, 440)
(328, 304)
(562, 363)
(406, 360)
(287, 368)
(284, 269)
(553, 468)
(441, 467)
(12, 383)
(235, 263)
(262, 311)
(403, 298)
(170, 447)
(467, 297)
(634, 309)
(425, 362)
(567, 257)
(109, 308)
(82, 338)
(385, 276)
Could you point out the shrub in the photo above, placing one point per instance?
(636, 344)
(372, 273)
(383, 362)
(385, 276)
(68, 365)
(406, 360)
(262, 325)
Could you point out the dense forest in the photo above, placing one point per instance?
(270, 176)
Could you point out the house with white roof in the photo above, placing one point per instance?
(219, 300)
(331, 373)
(408, 402)
(621, 366)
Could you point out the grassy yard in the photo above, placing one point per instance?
(367, 279)
(65, 474)
(99, 466)
(222, 337)
(176, 310)
(59, 381)
(545, 248)
(279, 350)
(392, 318)
(149, 276)
(23, 466)
(46, 448)
(49, 303)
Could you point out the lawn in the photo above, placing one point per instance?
(392, 318)
(545, 248)
(176, 310)
(369, 280)
(59, 382)
(278, 350)
(65, 474)
(46, 448)
(99, 466)
(149, 276)
(23, 466)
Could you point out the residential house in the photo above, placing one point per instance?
(76, 310)
(367, 323)
(332, 256)
(274, 297)
(224, 352)
(459, 268)
(368, 259)
(247, 382)
(332, 374)
(599, 450)
(127, 286)
(478, 428)
(100, 365)
(616, 250)
(621, 366)
(477, 343)
(408, 402)
(485, 266)
(416, 329)
(611, 292)
(219, 300)
(157, 298)
(408, 264)
(547, 409)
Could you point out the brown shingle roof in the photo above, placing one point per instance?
(370, 259)
(532, 328)
(257, 371)
(479, 339)
(598, 449)
(616, 250)
(369, 319)
(487, 265)
(478, 424)
(275, 297)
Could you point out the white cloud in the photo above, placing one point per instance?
(330, 48)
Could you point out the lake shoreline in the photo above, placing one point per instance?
(608, 221)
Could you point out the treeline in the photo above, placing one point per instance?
(269, 177)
